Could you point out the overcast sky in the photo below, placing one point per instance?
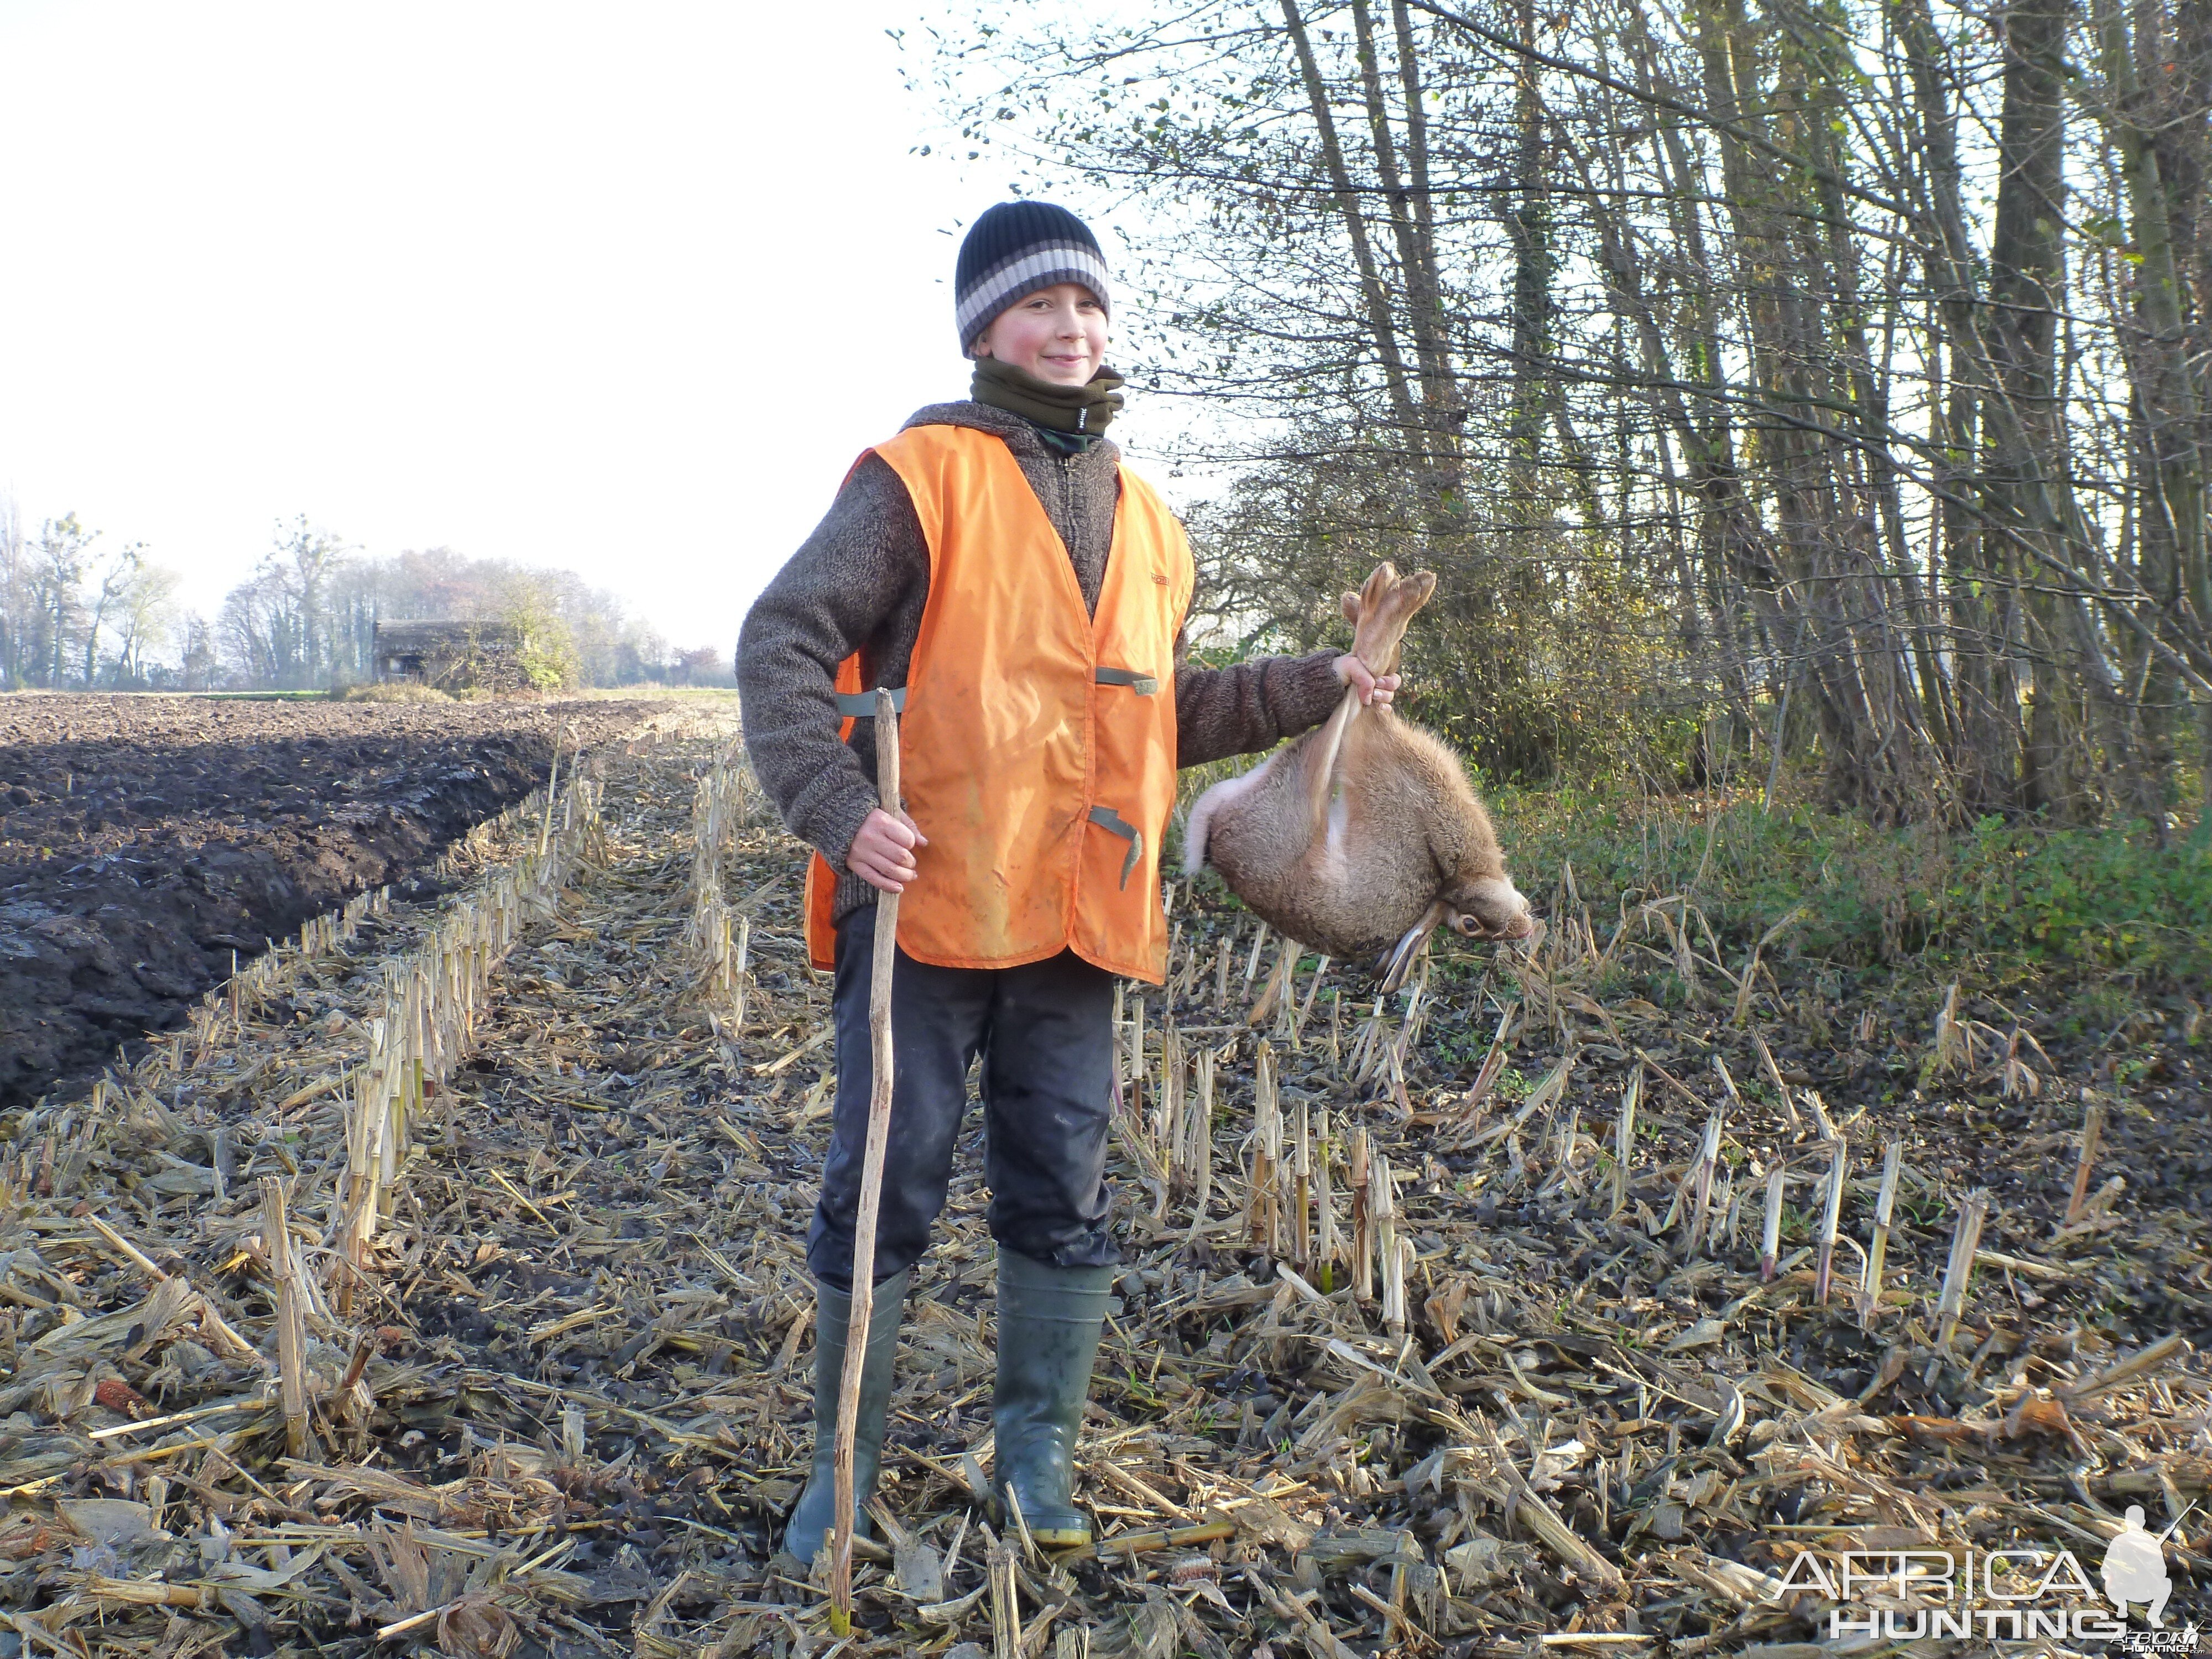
(619, 288)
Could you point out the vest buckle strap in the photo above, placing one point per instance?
(1145, 685)
(1114, 824)
(862, 705)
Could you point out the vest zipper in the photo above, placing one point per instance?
(1068, 516)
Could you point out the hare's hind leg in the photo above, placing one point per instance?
(1380, 611)
(1289, 792)
(1321, 754)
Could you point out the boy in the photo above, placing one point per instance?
(995, 561)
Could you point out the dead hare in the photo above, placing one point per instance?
(1364, 834)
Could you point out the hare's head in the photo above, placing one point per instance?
(1489, 907)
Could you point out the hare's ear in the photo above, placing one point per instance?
(1351, 603)
(1424, 582)
(1392, 968)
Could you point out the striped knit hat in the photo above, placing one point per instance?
(1016, 248)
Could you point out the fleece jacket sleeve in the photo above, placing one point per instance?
(1249, 706)
(863, 565)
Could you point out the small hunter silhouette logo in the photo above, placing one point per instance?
(2135, 1569)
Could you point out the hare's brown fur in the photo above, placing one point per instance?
(1364, 834)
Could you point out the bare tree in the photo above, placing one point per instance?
(1830, 377)
(145, 610)
(15, 627)
(57, 600)
(115, 580)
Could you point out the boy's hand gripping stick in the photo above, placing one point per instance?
(872, 1186)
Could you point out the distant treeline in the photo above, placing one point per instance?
(75, 615)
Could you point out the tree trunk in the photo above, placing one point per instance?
(2170, 462)
(1375, 292)
(2027, 270)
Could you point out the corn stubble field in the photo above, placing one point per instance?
(442, 1283)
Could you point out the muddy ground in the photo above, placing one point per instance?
(144, 840)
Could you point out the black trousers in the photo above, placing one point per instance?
(1046, 1035)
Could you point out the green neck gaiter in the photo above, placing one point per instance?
(1079, 410)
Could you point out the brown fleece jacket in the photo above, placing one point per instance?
(860, 583)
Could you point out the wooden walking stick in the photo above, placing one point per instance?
(863, 1299)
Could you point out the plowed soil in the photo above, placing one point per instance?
(144, 840)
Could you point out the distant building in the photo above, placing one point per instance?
(453, 656)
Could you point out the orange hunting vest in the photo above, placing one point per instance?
(1038, 747)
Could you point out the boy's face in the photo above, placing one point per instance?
(1057, 333)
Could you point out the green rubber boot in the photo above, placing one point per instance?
(1048, 1322)
(818, 1505)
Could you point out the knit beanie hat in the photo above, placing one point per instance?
(1016, 248)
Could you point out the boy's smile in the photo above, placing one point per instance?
(1057, 334)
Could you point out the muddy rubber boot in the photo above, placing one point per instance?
(1048, 1323)
(817, 1507)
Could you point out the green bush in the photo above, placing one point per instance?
(2013, 897)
